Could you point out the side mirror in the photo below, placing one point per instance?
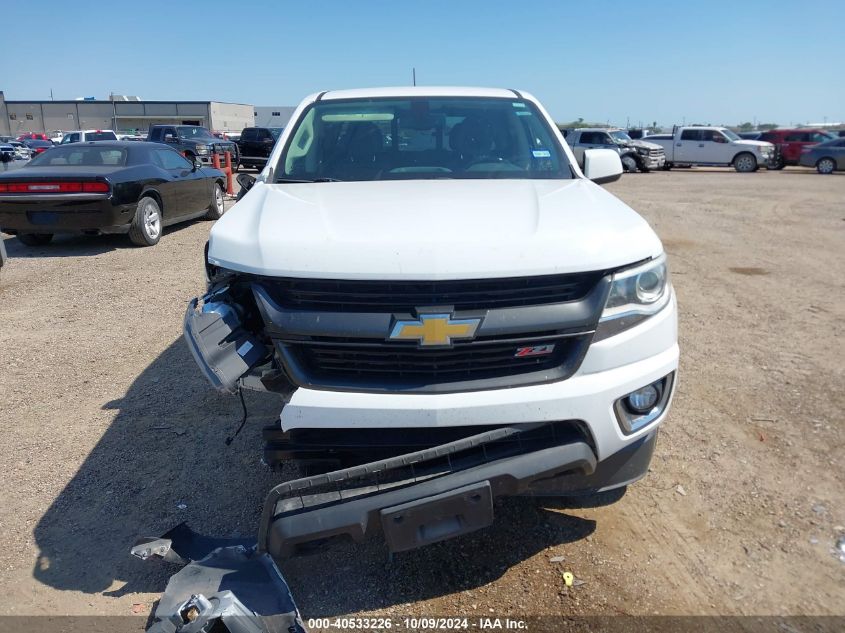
(245, 181)
(196, 164)
(602, 165)
(169, 138)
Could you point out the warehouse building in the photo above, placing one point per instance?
(121, 114)
(273, 116)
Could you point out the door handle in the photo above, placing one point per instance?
(701, 144)
(679, 144)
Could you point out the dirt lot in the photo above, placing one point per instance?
(108, 428)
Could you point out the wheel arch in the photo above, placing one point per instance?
(740, 153)
(155, 195)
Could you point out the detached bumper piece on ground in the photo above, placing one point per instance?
(414, 499)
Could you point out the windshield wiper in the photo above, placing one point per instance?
(305, 180)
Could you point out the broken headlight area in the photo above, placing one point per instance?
(226, 337)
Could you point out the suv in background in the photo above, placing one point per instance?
(791, 142)
(256, 143)
(194, 142)
(83, 136)
(635, 155)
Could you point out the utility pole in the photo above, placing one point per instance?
(51, 94)
(414, 75)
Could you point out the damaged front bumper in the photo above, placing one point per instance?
(414, 499)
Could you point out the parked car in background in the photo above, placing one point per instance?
(714, 146)
(33, 136)
(790, 143)
(638, 133)
(194, 142)
(84, 136)
(22, 152)
(56, 136)
(37, 146)
(7, 153)
(107, 187)
(635, 154)
(826, 157)
(256, 143)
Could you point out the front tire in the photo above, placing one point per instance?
(216, 208)
(629, 163)
(35, 239)
(745, 163)
(145, 229)
(826, 166)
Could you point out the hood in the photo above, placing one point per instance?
(750, 143)
(640, 143)
(429, 229)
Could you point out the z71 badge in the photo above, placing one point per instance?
(534, 350)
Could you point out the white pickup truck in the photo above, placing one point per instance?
(452, 309)
(713, 146)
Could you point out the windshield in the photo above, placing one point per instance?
(421, 138)
(100, 136)
(276, 132)
(191, 132)
(76, 154)
(730, 134)
(619, 135)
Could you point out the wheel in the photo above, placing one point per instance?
(667, 166)
(745, 163)
(780, 164)
(629, 163)
(35, 239)
(825, 166)
(215, 209)
(145, 229)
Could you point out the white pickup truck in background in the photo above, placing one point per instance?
(713, 146)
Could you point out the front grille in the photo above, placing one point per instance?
(656, 152)
(338, 295)
(391, 366)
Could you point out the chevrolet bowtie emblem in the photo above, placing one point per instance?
(434, 329)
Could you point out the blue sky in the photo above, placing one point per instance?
(706, 62)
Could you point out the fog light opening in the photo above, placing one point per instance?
(643, 400)
(643, 406)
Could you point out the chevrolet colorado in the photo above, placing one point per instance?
(451, 307)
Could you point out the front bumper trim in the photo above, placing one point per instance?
(418, 498)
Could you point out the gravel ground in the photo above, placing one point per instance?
(110, 432)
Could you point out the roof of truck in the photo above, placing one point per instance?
(421, 91)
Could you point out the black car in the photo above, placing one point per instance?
(37, 146)
(256, 143)
(107, 187)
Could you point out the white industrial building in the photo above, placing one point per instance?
(122, 114)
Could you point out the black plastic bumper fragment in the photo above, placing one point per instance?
(230, 588)
(421, 497)
(221, 347)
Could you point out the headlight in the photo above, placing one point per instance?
(635, 294)
(642, 150)
(202, 149)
